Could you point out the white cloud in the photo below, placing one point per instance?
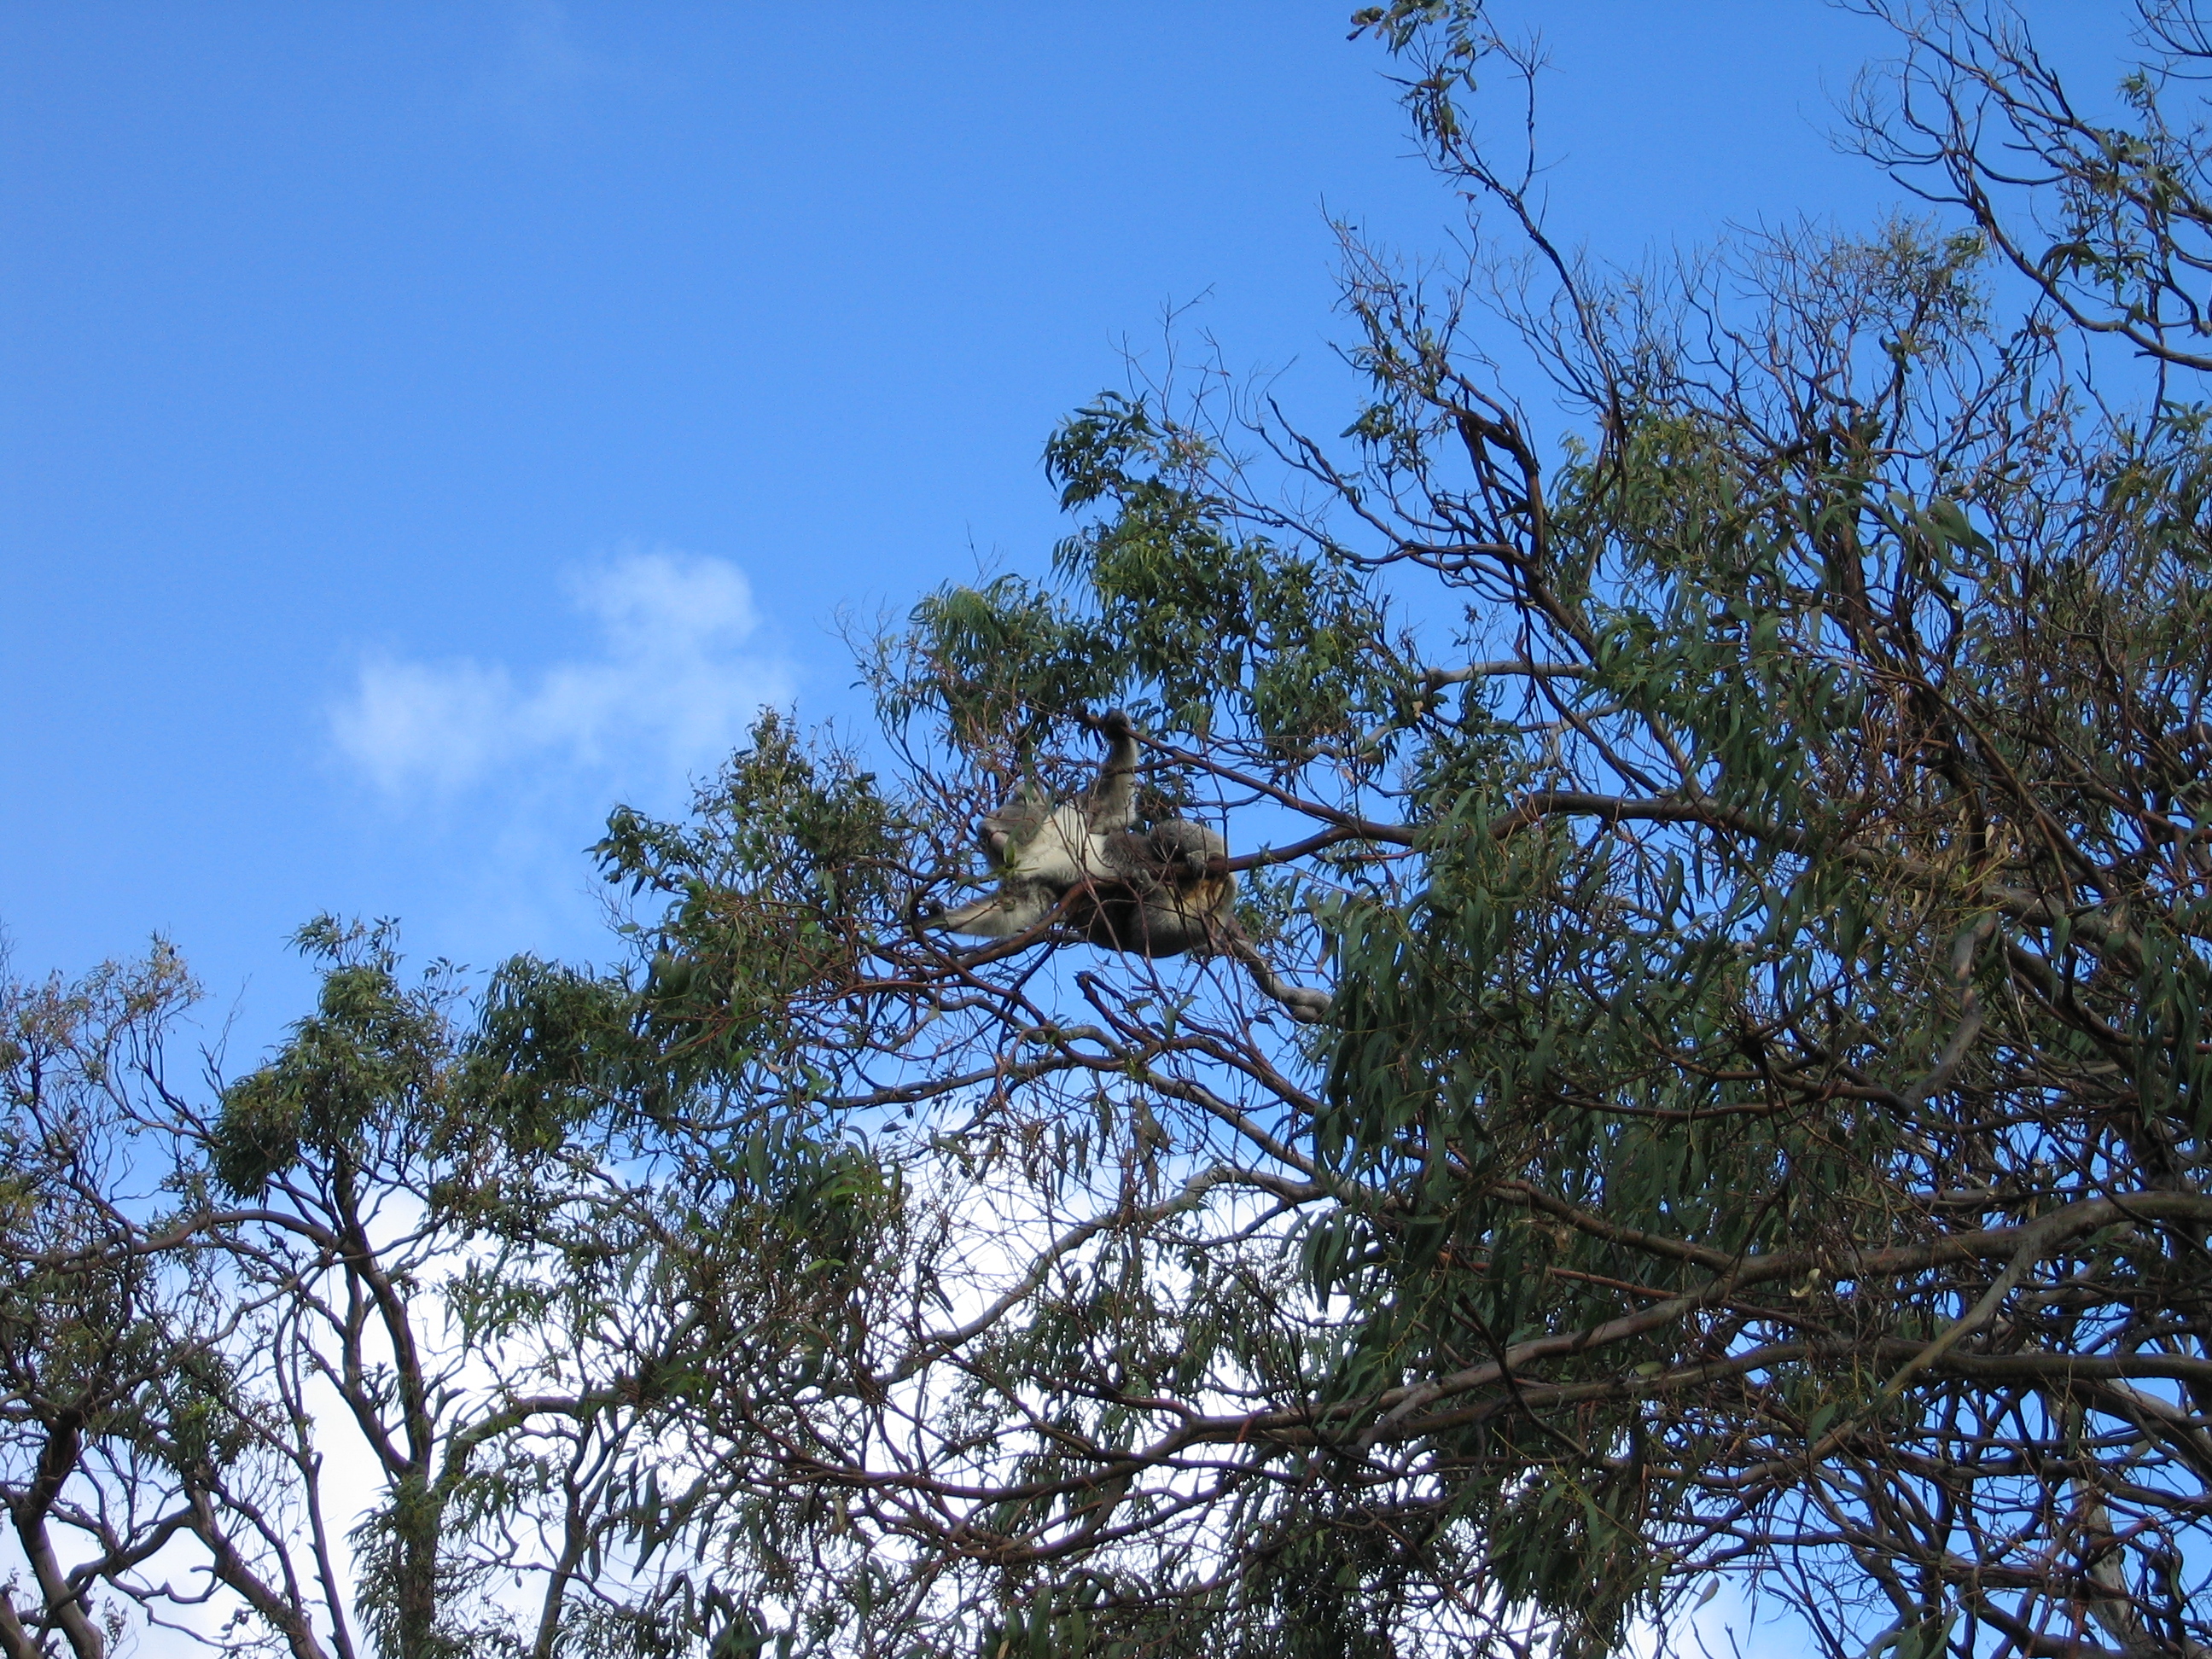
(669, 691)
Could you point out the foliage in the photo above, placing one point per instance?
(387, 1235)
(1753, 825)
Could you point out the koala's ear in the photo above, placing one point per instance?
(1027, 804)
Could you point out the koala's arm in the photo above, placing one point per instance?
(1185, 848)
(1015, 907)
(1113, 803)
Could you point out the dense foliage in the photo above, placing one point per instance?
(1751, 808)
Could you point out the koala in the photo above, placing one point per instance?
(1154, 892)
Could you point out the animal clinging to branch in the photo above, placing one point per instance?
(1156, 892)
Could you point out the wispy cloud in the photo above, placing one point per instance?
(542, 56)
(669, 690)
(543, 72)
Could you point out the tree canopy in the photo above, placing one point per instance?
(1730, 738)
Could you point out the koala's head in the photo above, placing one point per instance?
(1006, 831)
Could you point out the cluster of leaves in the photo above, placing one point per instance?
(778, 889)
(1163, 603)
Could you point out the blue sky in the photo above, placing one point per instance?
(423, 425)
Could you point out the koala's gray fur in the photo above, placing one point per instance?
(1151, 891)
(1154, 892)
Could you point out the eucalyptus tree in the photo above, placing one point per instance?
(1746, 790)
(1729, 740)
(373, 1349)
